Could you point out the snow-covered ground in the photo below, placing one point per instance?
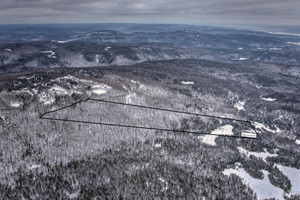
(262, 126)
(280, 33)
(275, 49)
(62, 41)
(268, 99)
(263, 188)
(187, 82)
(240, 105)
(52, 54)
(165, 183)
(59, 90)
(34, 166)
(294, 175)
(99, 89)
(97, 58)
(157, 145)
(262, 155)
(46, 98)
(258, 86)
(222, 130)
(16, 104)
(295, 43)
(129, 97)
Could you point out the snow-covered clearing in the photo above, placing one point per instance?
(295, 43)
(262, 126)
(52, 54)
(46, 98)
(129, 97)
(258, 86)
(240, 105)
(187, 82)
(268, 99)
(59, 90)
(99, 89)
(294, 175)
(262, 155)
(275, 49)
(34, 166)
(223, 130)
(263, 188)
(16, 104)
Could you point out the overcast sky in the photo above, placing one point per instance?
(268, 12)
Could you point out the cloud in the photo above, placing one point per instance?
(189, 11)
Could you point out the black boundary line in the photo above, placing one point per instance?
(149, 128)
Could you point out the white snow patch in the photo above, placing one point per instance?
(294, 175)
(295, 43)
(62, 41)
(27, 90)
(208, 139)
(107, 48)
(262, 155)
(281, 33)
(52, 53)
(263, 188)
(59, 90)
(34, 166)
(240, 48)
(129, 97)
(97, 58)
(222, 130)
(165, 183)
(268, 99)
(157, 145)
(100, 89)
(7, 49)
(16, 104)
(240, 105)
(46, 99)
(96, 87)
(73, 195)
(262, 126)
(187, 82)
(258, 86)
(275, 49)
(35, 91)
(243, 58)
(297, 141)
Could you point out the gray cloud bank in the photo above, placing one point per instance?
(272, 12)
